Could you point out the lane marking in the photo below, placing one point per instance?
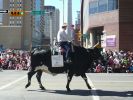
(114, 81)
(112, 74)
(7, 85)
(93, 90)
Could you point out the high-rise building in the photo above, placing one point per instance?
(30, 27)
(38, 23)
(52, 26)
(11, 29)
(77, 29)
(108, 22)
(1, 7)
(77, 21)
(69, 18)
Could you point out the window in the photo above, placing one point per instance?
(10, 18)
(102, 5)
(112, 4)
(19, 23)
(11, 23)
(93, 7)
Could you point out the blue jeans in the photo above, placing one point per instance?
(66, 46)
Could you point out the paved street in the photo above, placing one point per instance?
(105, 87)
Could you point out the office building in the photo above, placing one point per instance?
(108, 22)
(29, 26)
(69, 18)
(51, 22)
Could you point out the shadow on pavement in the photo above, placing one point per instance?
(114, 93)
(73, 92)
(89, 92)
(64, 92)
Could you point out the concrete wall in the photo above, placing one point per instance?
(118, 22)
(10, 37)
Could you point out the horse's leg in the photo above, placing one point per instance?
(30, 74)
(38, 76)
(69, 78)
(86, 81)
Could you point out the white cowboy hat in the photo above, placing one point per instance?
(64, 25)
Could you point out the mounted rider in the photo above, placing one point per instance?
(62, 39)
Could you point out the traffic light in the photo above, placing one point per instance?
(17, 13)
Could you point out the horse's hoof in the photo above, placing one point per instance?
(27, 85)
(68, 90)
(42, 88)
(89, 87)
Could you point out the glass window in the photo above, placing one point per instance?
(12, 22)
(93, 7)
(17, 22)
(112, 4)
(0, 18)
(1, 7)
(10, 18)
(102, 5)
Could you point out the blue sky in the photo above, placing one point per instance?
(59, 4)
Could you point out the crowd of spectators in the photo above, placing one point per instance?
(119, 62)
(113, 62)
(14, 59)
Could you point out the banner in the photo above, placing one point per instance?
(111, 41)
(57, 61)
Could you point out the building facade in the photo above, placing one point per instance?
(1, 7)
(38, 23)
(108, 22)
(29, 26)
(77, 36)
(69, 18)
(51, 22)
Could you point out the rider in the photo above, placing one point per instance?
(63, 40)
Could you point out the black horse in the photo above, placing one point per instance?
(80, 61)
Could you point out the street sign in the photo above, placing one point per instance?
(41, 12)
(3, 11)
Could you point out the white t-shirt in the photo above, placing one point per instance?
(62, 36)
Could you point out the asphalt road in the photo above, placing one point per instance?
(106, 86)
